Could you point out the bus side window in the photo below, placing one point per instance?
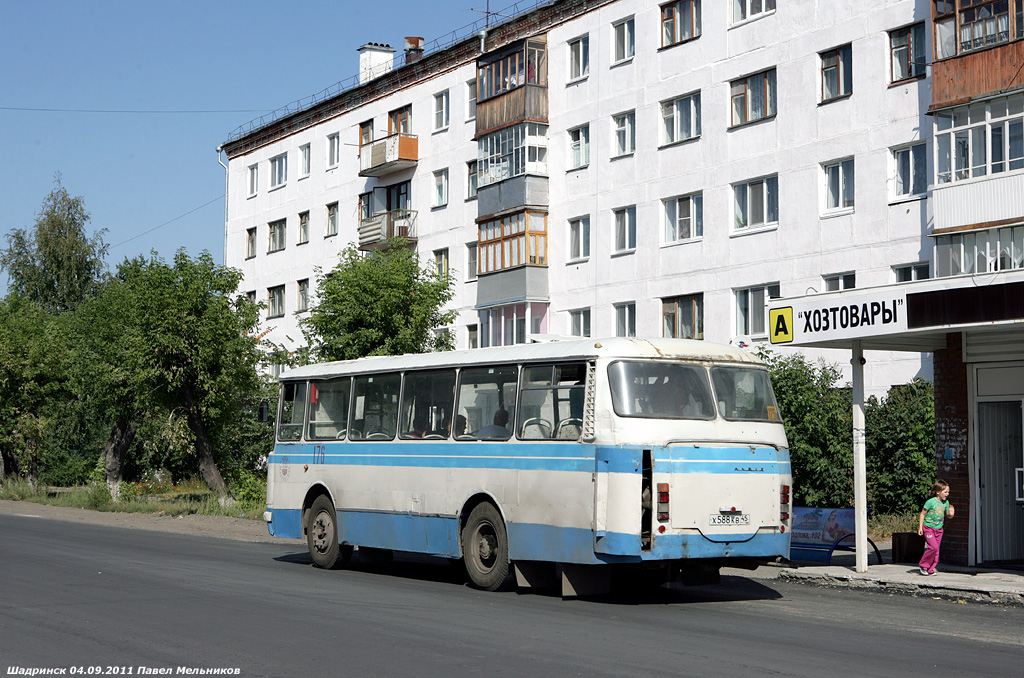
(328, 409)
(293, 408)
(375, 407)
(487, 399)
(551, 406)
(428, 401)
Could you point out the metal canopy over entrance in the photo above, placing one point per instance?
(988, 311)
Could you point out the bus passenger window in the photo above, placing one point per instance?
(428, 401)
(328, 409)
(375, 407)
(487, 399)
(551, 405)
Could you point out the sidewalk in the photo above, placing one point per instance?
(969, 584)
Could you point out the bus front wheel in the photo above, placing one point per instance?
(322, 535)
(485, 549)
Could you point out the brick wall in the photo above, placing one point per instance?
(952, 409)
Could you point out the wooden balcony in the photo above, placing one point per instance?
(378, 229)
(393, 153)
(526, 102)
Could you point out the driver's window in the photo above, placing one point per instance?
(551, 402)
(375, 407)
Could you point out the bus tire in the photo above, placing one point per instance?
(322, 534)
(485, 549)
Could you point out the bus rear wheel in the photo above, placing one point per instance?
(485, 549)
(322, 535)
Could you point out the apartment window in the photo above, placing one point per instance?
(302, 302)
(985, 23)
(910, 170)
(278, 171)
(625, 133)
(751, 312)
(753, 98)
(979, 139)
(332, 219)
(579, 321)
(625, 229)
(305, 161)
(625, 319)
(441, 262)
(680, 21)
(400, 120)
(441, 111)
(303, 228)
(945, 28)
(333, 150)
(441, 188)
(907, 52)
(911, 272)
(472, 336)
(841, 281)
(471, 180)
(623, 39)
(837, 73)
(972, 252)
(513, 240)
(365, 134)
(276, 241)
(579, 239)
(275, 301)
(684, 218)
(512, 152)
(683, 317)
(365, 207)
(471, 265)
(254, 179)
(471, 100)
(839, 185)
(748, 9)
(579, 58)
(579, 147)
(756, 203)
(250, 243)
(251, 296)
(680, 119)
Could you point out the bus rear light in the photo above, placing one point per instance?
(662, 503)
(785, 516)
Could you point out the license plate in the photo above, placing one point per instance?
(729, 519)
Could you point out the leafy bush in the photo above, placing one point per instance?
(66, 468)
(901, 447)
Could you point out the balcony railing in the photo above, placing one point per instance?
(991, 200)
(376, 230)
(390, 154)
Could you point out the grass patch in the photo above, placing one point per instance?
(188, 498)
(882, 527)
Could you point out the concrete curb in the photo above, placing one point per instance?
(964, 588)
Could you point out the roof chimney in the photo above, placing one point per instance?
(413, 49)
(374, 61)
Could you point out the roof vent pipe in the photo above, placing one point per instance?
(413, 49)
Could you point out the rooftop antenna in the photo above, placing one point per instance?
(488, 14)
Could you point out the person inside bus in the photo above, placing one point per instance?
(498, 429)
(419, 426)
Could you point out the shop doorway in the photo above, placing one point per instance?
(1000, 427)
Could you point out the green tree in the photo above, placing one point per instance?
(380, 303)
(55, 265)
(900, 432)
(197, 347)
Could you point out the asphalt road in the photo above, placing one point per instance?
(78, 595)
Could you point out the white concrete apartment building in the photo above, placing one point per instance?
(657, 169)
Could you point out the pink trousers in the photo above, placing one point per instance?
(932, 540)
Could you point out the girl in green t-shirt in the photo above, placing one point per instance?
(929, 524)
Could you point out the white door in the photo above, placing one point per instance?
(1000, 452)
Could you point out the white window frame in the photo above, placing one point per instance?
(979, 139)
(275, 302)
(331, 227)
(472, 254)
(303, 234)
(909, 171)
(984, 251)
(749, 322)
(579, 58)
(838, 60)
(838, 282)
(512, 152)
(471, 100)
(761, 189)
(302, 295)
(278, 171)
(624, 230)
(440, 196)
(748, 10)
(441, 262)
(624, 138)
(579, 239)
(333, 150)
(920, 270)
(579, 322)
(305, 160)
(839, 191)
(277, 235)
(254, 179)
(745, 100)
(250, 243)
(625, 319)
(680, 119)
(579, 147)
(680, 22)
(623, 40)
(471, 180)
(684, 218)
(442, 111)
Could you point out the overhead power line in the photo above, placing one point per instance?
(180, 216)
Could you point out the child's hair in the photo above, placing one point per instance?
(938, 486)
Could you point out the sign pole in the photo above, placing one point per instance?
(859, 459)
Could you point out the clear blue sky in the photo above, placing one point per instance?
(129, 100)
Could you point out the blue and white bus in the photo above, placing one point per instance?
(538, 464)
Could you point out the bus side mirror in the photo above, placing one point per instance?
(263, 413)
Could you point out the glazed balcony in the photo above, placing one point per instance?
(393, 153)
